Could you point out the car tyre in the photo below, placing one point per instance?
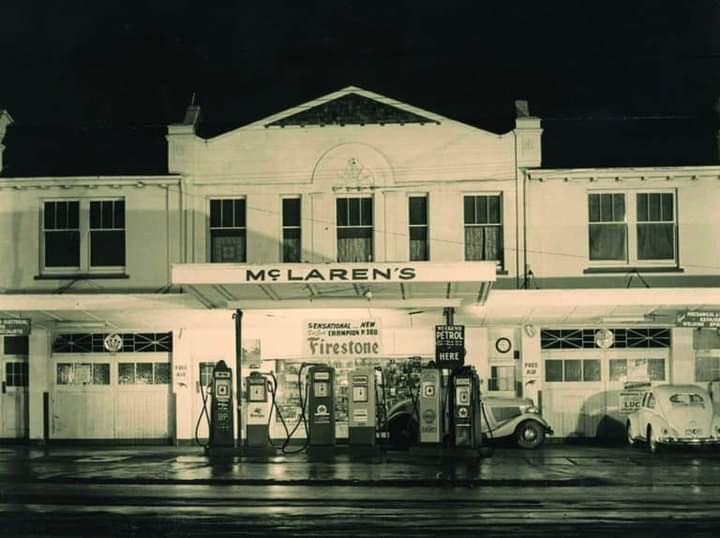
(652, 441)
(403, 432)
(529, 434)
(628, 433)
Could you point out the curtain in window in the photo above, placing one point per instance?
(418, 243)
(291, 245)
(656, 241)
(483, 243)
(608, 242)
(354, 245)
(228, 246)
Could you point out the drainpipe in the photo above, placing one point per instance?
(525, 253)
(237, 316)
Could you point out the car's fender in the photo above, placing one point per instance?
(508, 428)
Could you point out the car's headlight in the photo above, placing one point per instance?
(532, 409)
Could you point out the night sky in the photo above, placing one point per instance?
(92, 87)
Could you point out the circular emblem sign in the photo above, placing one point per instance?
(604, 338)
(503, 344)
(428, 416)
(113, 343)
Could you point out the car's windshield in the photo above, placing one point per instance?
(687, 399)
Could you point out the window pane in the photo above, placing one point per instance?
(227, 213)
(502, 378)
(16, 345)
(643, 212)
(162, 373)
(62, 249)
(49, 216)
(206, 370)
(591, 370)
(654, 206)
(354, 211)
(418, 210)
(607, 242)
(573, 370)
(215, 214)
(291, 211)
(483, 243)
(553, 370)
(119, 214)
(107, 214)
(227, 246)
(618, 369)
(481, 210)
(61, 215)
(107, 248)
(469, 209)
(64, 373)
(606, 207)
(240, 213)
(95, 215)
(656, 369)
(667, 209)
(707, 368)
(73, 215)
(101, 374)
(656, 241)
(367, 212)
(144, 373)
(493, 208)
(354, 244)
(619, 207)
(418, 243)
(126, 373)
(342, 211)
(291, 245)
(594, 207)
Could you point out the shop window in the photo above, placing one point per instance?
(637, 370)
(502, 378)
(82, 235)
(651, 217)
(483, 228)
(622, 338)
(618, 369)
(16, 374)
(228, 230)
(83, 373)
(16, 345)
(418, 222)
(94, 343)
(291, 230)
(354, 229)
(206, 371)
(573, 370)
(143, 373)
(707, 368)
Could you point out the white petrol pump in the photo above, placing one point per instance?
(362, 407)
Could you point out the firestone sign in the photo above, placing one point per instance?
(343, 338)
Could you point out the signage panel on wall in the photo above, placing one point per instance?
(699, 320)
(449, 346)
(14, 327)
(629, 401)
(342, 338)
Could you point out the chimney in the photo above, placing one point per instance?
(528, 134)
(181, 138)
(5, 121)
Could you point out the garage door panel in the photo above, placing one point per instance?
(142, 414)
(83, 415)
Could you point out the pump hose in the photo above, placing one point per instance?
(489, 432)
(302, 419)
(205, 396)
(274, 405)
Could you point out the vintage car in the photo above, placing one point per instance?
(674, 415)
(515, 418)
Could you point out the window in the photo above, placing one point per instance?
(483, 228)
(227, 230)
(502, 378)
(83, 235)
(206, 371)
(143, 373)
(291, 243)
(687, 400)
(16, 374)
(637, 370)
(707, 368)
(16, 345)
(354, 229)
(572, 370)
(418, 220)
(650, 402)
(77, 373)
(651, 217)
(107, 233)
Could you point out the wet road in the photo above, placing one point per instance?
(558, 491)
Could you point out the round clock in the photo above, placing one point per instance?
(503, 344)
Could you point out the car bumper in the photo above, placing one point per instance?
(691, 441)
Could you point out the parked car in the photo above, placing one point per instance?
(674, 415)
(516, 418)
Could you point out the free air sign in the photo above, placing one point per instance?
(699, 320)
(14, 327)
(449, 346)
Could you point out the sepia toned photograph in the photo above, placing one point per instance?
(360, 269)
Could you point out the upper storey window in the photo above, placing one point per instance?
(483, 228)
(291, 230)
(632, 227)
(228, 233)
(83, 235)
(418, 221)
(354, 229)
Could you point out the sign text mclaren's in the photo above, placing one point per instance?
(333, 274)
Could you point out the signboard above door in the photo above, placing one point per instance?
(699, 320)
(14, 327)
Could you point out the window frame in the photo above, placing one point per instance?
(284, 227)
(425, 226)
(501, 225)
(135, 361)
(631, 223)
(362, 196)
(210, 228)
(84, 230)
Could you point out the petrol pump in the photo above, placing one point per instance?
(321, 405)
(430, 407)
(466, 411)
(362, 418)
(222, 432)
(258, 410)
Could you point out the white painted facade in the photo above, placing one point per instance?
(545, 279)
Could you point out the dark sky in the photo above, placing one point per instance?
(630, 82)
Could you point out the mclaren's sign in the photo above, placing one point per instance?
(230, 273)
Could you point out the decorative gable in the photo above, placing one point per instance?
(351, 109)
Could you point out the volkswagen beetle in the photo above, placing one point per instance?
(674, 415)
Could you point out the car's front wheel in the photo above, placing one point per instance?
(529, 434)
